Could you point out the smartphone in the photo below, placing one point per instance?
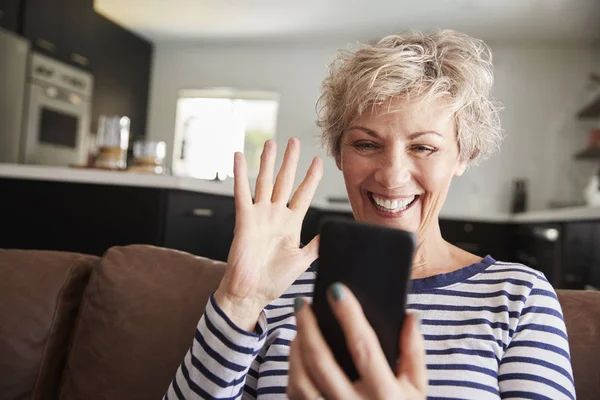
(374, 262)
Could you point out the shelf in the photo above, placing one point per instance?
(588, 154)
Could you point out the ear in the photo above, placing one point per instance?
(338, 161)
(461, 167)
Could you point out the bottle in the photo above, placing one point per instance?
(519, 196)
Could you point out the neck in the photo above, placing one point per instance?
(433, 255)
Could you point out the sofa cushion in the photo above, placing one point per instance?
(581, 310)
(137, 320)
(40, 292)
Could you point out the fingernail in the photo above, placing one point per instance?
(336, 290)
(298, 303)
(418, 319)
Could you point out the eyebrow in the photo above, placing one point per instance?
(412, 136)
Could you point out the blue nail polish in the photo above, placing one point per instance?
(298, 303)
(336, 291)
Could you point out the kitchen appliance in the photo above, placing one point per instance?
(13, 67)
(57, 113)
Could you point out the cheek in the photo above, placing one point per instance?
(354, 168)
(435, 177)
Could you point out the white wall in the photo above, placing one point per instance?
(539, 87)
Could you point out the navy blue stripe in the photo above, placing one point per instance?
(208, 374)
(223, 339)
(471, 352)
(229, 322)
(474, 321)
(273, 320)
(540, 345)
(201, 392)
(250, 391)
(478, 295)
(166, 396)
(287, 326)
(271, 390)
(535, 378)
(542, 328)
(516, 282)
(282, 342)
(490, 338)
(294, 295)
(274, 372)
(176, 389)
(216, 356)
(309, 281)
(447, 307)
(253, 373)
(500, 270)
(519, 394)
(529, 360)
(542, 310)
(462, 367)
(542, 292)
(443, 398)
(278, 306)
(453, 383)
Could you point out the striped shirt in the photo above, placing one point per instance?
(492, 330)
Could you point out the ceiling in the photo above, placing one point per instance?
(511, 21)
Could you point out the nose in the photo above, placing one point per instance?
(393, 169)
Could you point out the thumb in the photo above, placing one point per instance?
(411, 365)
(311, 250)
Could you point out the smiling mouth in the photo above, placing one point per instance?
(392, 206)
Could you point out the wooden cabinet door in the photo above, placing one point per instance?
(42, 24)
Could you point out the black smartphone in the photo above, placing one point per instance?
(374, 262)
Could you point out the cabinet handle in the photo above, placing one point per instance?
(46, 45)
(468, 228)
(79, 59)
(202, 212)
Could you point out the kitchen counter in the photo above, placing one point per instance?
(225, 188)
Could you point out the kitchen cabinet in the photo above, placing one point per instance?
(480, 238)
(9, 14)
(199, 224)
(121, 69)
(60, 28)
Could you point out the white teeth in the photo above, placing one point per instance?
(392, 205)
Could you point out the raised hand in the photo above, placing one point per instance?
(265, 257)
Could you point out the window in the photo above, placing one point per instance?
(211, 125)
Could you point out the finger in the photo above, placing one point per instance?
(361, 340)
(285, 178)
(311, 250)
(306, 191)
(321, 366)
(264, 181)
(412, 354)
(241, 187)
(300, 386)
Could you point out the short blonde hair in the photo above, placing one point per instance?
(442, 64)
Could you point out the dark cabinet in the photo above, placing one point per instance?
(9, 14)
(121, 69)
(199, 224)
(60, 28)
(480, 238)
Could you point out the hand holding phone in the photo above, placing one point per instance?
(374, 262)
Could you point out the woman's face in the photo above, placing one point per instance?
(398, 166)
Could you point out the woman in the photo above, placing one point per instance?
(401, 118)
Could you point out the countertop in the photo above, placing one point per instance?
(225, 188)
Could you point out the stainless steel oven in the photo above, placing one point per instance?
(57, 113)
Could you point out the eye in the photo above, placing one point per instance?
(422, 149)
(365, 146)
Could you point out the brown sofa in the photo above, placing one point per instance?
(74, 326)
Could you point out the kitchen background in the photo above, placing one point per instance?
(152, 60)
